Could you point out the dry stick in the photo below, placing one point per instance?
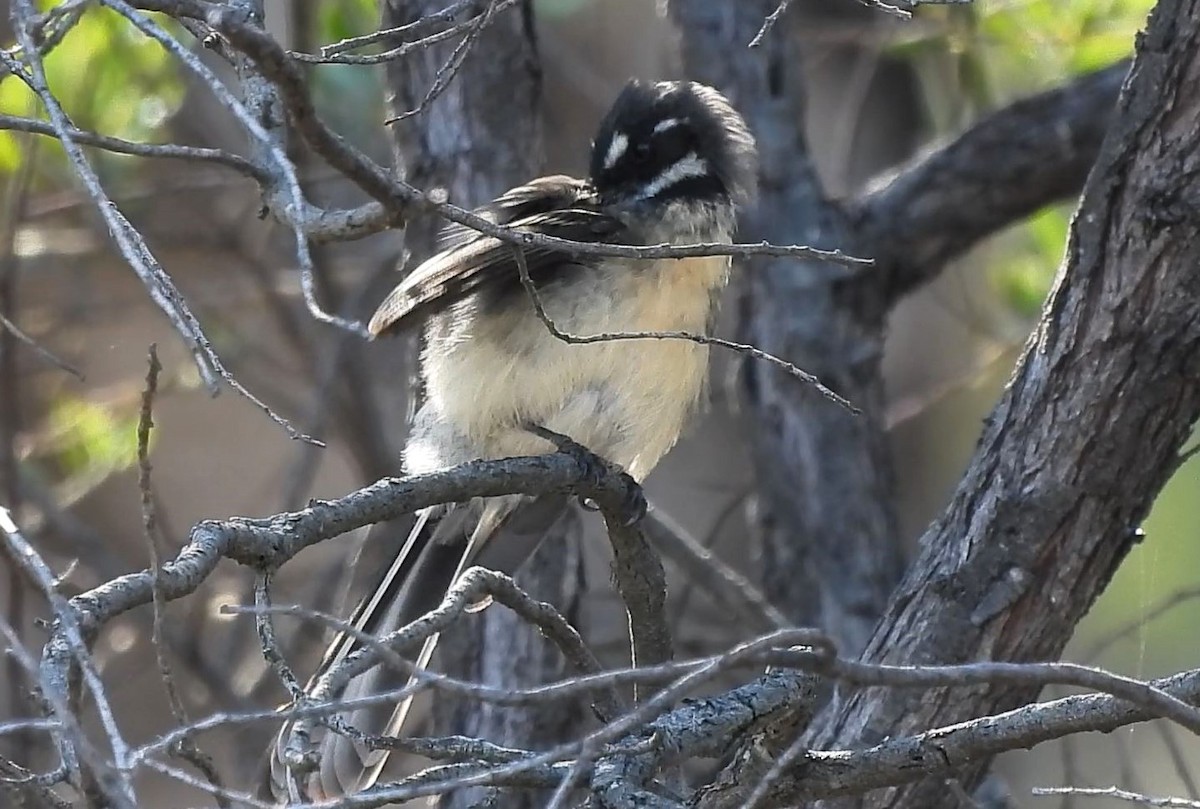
(446, 15)
(449, 70)
(453, 608)
(171, 151)
(293, 532)
(474, 584)
(1127, 688)
(56, 693)
(266, 636)
(50, 30)
(637, 569)
(284, 183)
(162, 289)
(471, 27)
(702, 339)
(185, 749)
(27, 792)
(43, 352)
(130, 243)
(637, 718)
(769, 23)
(1117, 794)
(704, 567)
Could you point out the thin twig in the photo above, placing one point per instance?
(185, 749)
(449, 70)
(43, 352)
(1117, 794)
(286, 184)
(446, 15)
(769, 22)
(702, 339)
(1137, 691)
(470, 26)
(130, 243)
(170, 151)
(704, 567)
(637, 568)
(54, 688)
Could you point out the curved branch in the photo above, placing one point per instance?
(1027, 155)
(265, 544)
(121, 146)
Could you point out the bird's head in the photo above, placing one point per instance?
(673, 141)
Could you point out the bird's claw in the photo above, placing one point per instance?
(594, 470)
(634, 505)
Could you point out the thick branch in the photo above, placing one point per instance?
(946, 751)
(1085, 436)
(1027, 155)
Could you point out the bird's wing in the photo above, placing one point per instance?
(469, 261)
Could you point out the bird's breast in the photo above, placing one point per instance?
(624, 398)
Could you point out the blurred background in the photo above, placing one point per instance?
(881, 89)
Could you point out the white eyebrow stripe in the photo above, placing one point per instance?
(616, 148)
(690, 165)
(668, 123)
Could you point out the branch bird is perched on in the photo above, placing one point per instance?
(671, 163)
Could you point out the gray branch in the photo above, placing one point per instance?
(1034, 152)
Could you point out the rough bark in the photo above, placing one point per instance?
(1083, 439)
(830, 552)
(479, 137)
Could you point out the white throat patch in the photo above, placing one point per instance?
(690, 165)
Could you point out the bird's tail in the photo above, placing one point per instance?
(443, 542)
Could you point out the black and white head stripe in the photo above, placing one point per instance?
(673, 139)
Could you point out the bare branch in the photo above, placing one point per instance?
(185, 750)
(22, 787)
(284, 186)
(1117, 794)
(1025, 156)
(702, 339)
(769, 23)
(55, 690)
(336, 53)
(446, 15)
(171, 151)
(43, 352)
(706, 569)
(130, 243)
(447, 72)
(637, 569)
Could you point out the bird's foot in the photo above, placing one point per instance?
(596, 472)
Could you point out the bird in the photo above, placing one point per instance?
(672, 162)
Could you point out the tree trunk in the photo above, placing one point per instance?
(1087, 432)
(830, 546)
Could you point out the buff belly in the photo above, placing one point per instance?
(624, 399)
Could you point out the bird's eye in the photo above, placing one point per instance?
(641, 153)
